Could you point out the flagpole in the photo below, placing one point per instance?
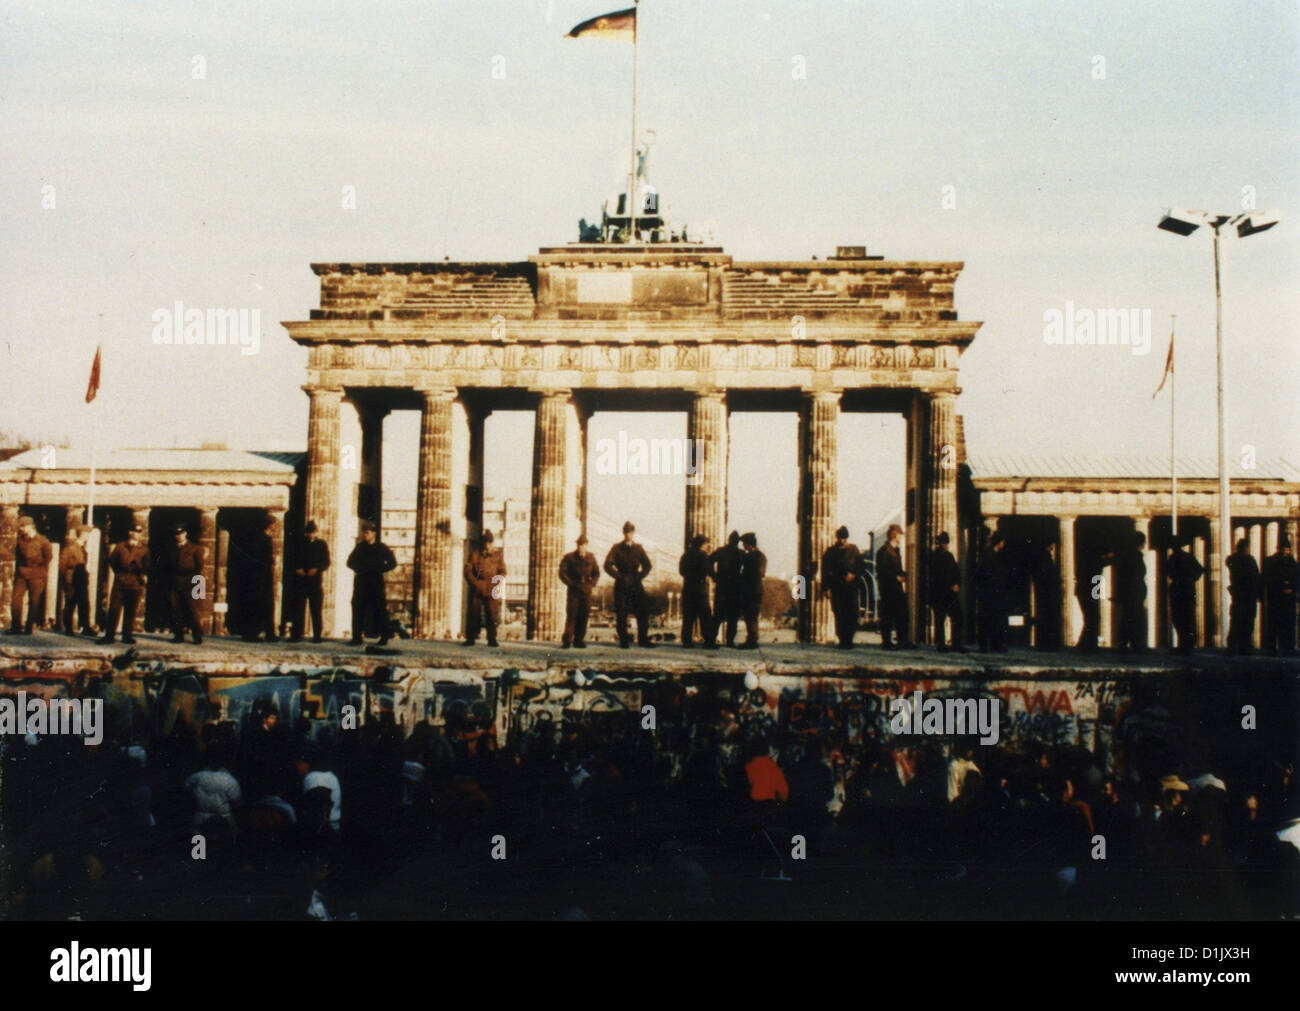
(631, 179)
(1173, 426)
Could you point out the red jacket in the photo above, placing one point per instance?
(766, 780)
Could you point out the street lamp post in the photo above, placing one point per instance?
(1183, 222)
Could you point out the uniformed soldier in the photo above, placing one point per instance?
(945, 593)
(75, 578)
(182, 563)
(695, 566)
(842, 569)
(579, 572)
(370, 559)
(129, 561)
(261, 585)
(32, 556)
(1184, 571)
(753, 568)
(628, 565)
(1243, 587)
(725, 566)
(312, 558)
(485, 572)
(993, 594)
(1281, 579)
(892, 581)
(1129, 570)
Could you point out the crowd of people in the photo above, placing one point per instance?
(714, 814)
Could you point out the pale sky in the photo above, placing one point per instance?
(220, 191)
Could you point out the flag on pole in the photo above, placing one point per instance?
(1169, 367)
(93, 387)
(617, 25)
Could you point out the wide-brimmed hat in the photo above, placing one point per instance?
(1173, 783)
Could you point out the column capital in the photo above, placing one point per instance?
(435, 394)
(322, 389)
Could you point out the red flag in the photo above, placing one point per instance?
(1169, 367)
(93, 387)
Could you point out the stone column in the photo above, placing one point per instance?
(706, 487)
(433, 534)
(276, 516)
(321, 500)
(1065, 563)
(551, 510)
(222, 599)
(1205, 589)
(1154, 584)
(914, 523)
(208, 541)
(819, 415)
(139, 518)
(1214, 566)
(1255, 532)
(1270, 538)
(8, 547)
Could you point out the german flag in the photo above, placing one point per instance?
(618, 25)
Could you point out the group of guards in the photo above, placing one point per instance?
(735, 569)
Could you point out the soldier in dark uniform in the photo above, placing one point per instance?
(1281, 579)
(183, 562)
(753, 569)
(32, 557)
(485, 572)
(893, 592)
(313, 558)
(129, 561)
(945, 593)
(370, 559)
(75, 578)
(1184, 571)
(695, 565)
(993, 595)
(1243, 587)
(841, 577)
(1130, 574)
(726, 563)
(261, 585)
(628, 564)
(1047, 594)
(1087, 591)
(579, 572)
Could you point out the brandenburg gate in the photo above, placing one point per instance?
(639, 327)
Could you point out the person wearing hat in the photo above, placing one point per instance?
(1281, 579)
(1130, 574)
(75, 580)
(485, 572)
(725, 570)
(579, 572)
(753, 569)
(892, 581)
(1184, 571)
(129, 561)
(370, 559)
(313, 558)
(261, 584)
(32, 557)
(1243, 587)
(695, 566)
(842, 571)
(992, 594)
(945, 594)
(182, 563)
(628, 565)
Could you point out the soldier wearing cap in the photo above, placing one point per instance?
(628, 565)
(1184, 571)
(261, 585)
(1243, 587)
(32, 557)
(694, 566)
(313, 558)
(75, 578)
(753, 568)
(1281, 580)
(485, 572)
(842, 571)
(945, 594)
(183, 562)
(370, 559)
(579, 572)
(725, 564)
(129, 561)
(892, 581)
